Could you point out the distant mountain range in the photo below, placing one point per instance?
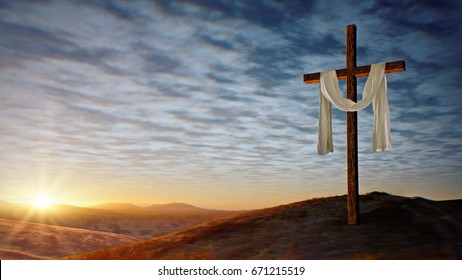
(158, 208)
(392, 227)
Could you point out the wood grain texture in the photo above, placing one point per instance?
(352, 129)
(361, 71)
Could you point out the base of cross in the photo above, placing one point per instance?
(350, 74)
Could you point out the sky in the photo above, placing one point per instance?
(203, 102)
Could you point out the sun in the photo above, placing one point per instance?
(42, 201)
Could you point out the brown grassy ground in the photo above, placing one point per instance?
(23, 240)
(392, 227)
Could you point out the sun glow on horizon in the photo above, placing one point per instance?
(42, 201)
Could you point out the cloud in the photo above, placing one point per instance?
(211, 92)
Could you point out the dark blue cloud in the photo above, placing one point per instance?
(220, 79)
(156, 60)
(217, 42)
(266, 13)
(430, 16)
(120, 12)
(30, 42)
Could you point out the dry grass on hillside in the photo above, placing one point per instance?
(23, 240)
(392, 227)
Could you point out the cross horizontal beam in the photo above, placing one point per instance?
(361, 71)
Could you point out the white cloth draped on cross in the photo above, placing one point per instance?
(375, 91)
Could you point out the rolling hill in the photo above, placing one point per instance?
(24, 240)
(122, 218)
(392, 227)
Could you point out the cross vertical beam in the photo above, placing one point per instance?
(352, 129)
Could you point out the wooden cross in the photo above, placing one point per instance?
(350, 74)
